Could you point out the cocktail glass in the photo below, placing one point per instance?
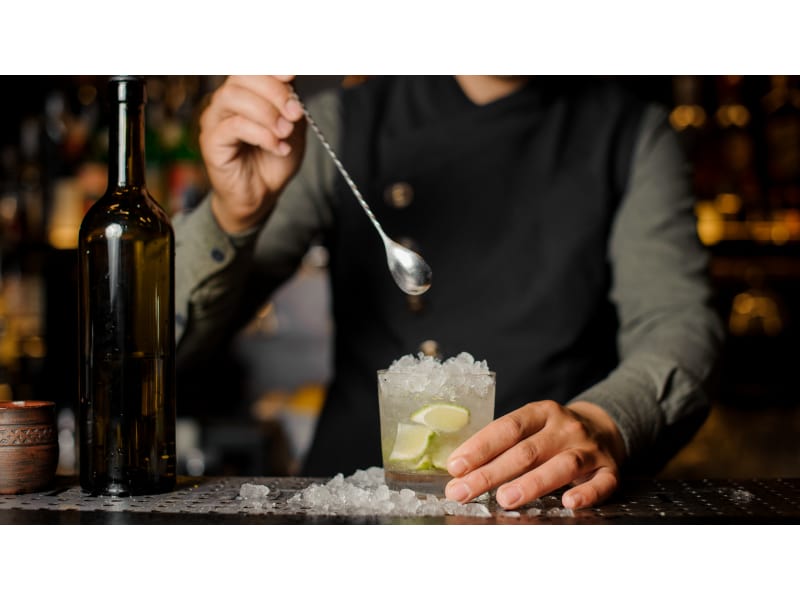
(424, 416)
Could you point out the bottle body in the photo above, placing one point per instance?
(127, 379)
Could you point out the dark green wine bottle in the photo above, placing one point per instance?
(127, 330)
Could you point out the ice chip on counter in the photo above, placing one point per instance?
(254, 498)
(250, 491)
(740, 496)
(366, 493)
(560, 512)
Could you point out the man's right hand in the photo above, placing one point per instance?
(252, 137)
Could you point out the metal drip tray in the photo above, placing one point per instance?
(704, 501)
(212, 500)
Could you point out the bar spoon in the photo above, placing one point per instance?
(409, 270)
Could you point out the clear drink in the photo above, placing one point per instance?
(427, 409)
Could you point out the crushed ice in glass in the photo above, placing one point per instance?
(453, 378)
(366, 493)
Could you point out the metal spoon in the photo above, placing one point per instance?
(409, 270)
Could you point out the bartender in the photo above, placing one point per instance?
(557, 216)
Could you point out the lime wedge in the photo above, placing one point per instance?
(424, 464)
(440, 455)
(411, 442)
(442, 418)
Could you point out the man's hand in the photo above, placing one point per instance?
(537, 449)
(252, 138)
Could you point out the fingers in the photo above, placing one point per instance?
(532, 468)
(595, 490)
(532, 452)
(497, 437)
(259, 111)
(560, 470)
(276, 90)
(502, 450)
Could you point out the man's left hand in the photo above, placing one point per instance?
(538, 449)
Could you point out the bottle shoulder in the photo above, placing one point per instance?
(134, 211)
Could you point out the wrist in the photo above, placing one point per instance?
(231, 222)
(602, 426)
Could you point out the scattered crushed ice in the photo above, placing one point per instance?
(736, 495)
(255, 497)
(450, 379)
(366, 493)
(742, 496)
(250, 491)
(550, 512)
(560, 512)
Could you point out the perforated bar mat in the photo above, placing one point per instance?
(213, 500)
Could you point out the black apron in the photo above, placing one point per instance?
(511, 204)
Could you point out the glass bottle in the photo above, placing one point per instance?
(127, 279)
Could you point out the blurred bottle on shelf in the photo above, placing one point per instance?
(22, 346)
(31, 182)
(738, 191)
(689, 119)
(758, 310)
(7, 353)
(782, 144)
(175, 163)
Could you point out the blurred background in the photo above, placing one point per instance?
(741, 135)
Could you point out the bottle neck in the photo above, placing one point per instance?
(126, 146)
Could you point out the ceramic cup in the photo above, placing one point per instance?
(28, 446)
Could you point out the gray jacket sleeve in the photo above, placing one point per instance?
(669, 333)
(221, 279)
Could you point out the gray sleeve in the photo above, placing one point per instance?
(221, 279)
(669, 333)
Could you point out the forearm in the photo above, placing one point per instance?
(656, 405)
(212, 270)
(669, 334)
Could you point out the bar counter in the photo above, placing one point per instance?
(217, 500)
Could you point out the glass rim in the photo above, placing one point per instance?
(413, 372)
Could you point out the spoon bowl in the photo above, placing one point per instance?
(409, 271)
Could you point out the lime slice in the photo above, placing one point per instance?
(424, 464)
(442, 418)
(411, 442)
(440, 455)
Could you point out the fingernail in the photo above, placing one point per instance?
(572, 501)
(508, 496)
(284, 149)
(457, 466)
(293, 108)
(284, 127)
(457, 491)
